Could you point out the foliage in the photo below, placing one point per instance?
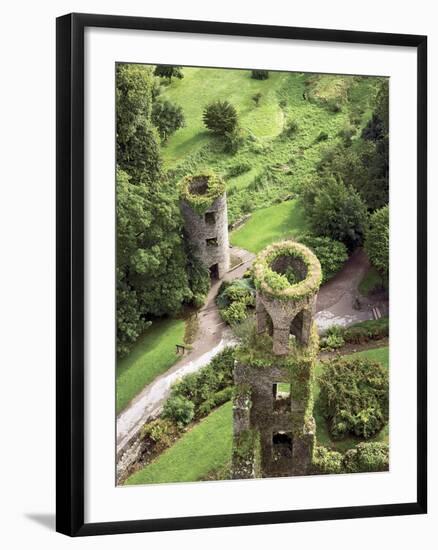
(179, 410)
(159, 434)
(331, 254)
(213, 187)
(167, 117)
(377, 241)
(332, 339)
(235, 313)
(290, 129)
(239, 290)
(322, 136)
(258, 74)
(150, 253)
(276, 285)
(169, 71)
(237, 169)
(367, 457)
(337, 211)
(205, 385)
(234, 140)
(365, 331)
(354, 396)
(220, 117)
(138, 150)
(256, 98)
(326, 461)
(198, 275)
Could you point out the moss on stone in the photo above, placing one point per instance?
(200, 191)
(277, 285)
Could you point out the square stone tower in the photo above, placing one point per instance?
(274, 429)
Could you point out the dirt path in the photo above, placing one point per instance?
(212, 337)
(337, 299)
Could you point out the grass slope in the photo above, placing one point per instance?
(270, 224)
(206, 447)
(152, 355)
(322, 434)
(278, 165)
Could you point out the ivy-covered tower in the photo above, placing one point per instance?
(203, 204)
(274, 428)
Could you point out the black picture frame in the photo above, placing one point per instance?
(70, 273)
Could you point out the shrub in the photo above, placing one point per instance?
(367, 330)
(169, 71)
(326, 461)
(220, 117)
(330, 253)
(160, 433)
(354, 396)
(256, 98)
(377, 241)
(179, 409)
(322, 136)
(238, 169)
(217, 399)
(167, 117)
(241, 290)
(259, 74)
(367, 457)
(201, 386)
(290, 128)
(235, 313)
(234, 140)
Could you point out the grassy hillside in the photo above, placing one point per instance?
(206, 447)
(277, 165)
(153, 354)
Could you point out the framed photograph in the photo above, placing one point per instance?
(241, 274)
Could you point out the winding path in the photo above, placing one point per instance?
(335, 305)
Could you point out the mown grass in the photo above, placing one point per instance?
(270, 224)
(322, 434)
(152, 355)
(204, 448)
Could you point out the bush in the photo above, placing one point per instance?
(160, 434)
(201, 386)
(322, 136)
(179, 410)
(367, 457)
(241, 290)
(234, 313)
(367, 330)
(260, 74)
(354, 397)
(256, 98)
(290, 128)
(331, 254)
(377, 241)
(169, 71)
(238, 169)
(234, 141)
(167, 117)
(217, 399)
(220, 117)
(326, 461)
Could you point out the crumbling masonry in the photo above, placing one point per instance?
(274, 428)
(203, 205)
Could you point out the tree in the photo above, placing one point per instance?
(138, 151)
(168, 71)
(260, 74)
(167, 117)
(331, 254)
(377, 241)
(220, 117)
(337, 211)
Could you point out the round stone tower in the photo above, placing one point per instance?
(203, 204)
(287, 277)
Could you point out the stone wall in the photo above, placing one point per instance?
(200, 228)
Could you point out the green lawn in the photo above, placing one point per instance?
(270, 224)
(322, 433)
(206, 447)
(202, 86)
(152, 355)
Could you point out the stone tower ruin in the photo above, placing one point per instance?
(203, 205)
(274, 428)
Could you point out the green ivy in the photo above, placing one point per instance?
(201, 202)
